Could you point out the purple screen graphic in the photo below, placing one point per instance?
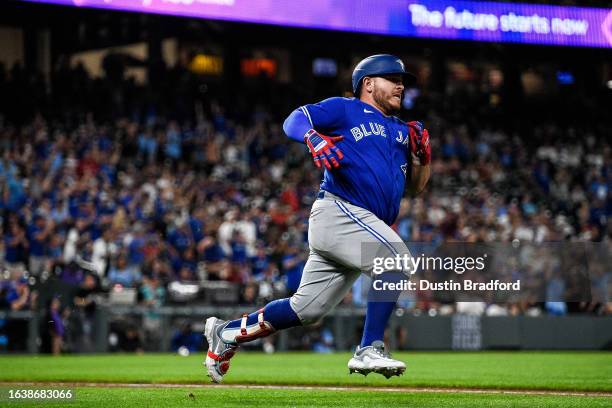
(462, 20)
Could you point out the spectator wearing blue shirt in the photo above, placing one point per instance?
(187, 338)
(213, 255)
(181, 238)
(259, 262)
(18, 294)
(293, 265)
(172, 148)
(136, 247)
(15, 247)
(39, 235)
(122, 274)
(197, 227)
(16, 196)
(187, 260)
(59, 212)
(239, 249)
(147, 146)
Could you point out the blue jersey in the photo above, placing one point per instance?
(376, 148)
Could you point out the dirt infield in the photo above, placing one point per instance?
(321, 388)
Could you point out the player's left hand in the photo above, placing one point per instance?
(323, 149)
(419, 144)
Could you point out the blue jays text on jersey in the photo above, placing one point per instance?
(376, 148)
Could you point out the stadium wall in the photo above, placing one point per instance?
(408, 332)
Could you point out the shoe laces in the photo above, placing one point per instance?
(379, 348)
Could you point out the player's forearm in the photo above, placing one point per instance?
(296, 125)
(419, 179)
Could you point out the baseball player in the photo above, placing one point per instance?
(367, 157)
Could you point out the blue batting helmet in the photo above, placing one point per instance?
(376, 65)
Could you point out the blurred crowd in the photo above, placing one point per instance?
(141, 201)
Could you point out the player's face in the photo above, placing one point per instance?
(387, 93)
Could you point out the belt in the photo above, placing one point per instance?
(322, 194)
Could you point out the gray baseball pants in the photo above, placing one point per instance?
(338, 234)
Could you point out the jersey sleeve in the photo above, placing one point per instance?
(327, 115)
(324, 117)
(296, 125)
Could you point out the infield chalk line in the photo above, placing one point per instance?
(321, 388)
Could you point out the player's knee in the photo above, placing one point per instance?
(309, 313)
(309, 317)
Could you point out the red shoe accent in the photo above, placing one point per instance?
(213, 356)
(224, 367)
(224, 357)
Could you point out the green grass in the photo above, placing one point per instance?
(584, 371)
(569, 371)
(177, 397)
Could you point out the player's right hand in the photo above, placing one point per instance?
(323, 149)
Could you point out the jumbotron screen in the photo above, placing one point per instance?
(460, 20)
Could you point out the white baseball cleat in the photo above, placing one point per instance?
(375, 359)
(219, 352)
